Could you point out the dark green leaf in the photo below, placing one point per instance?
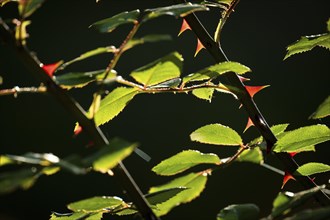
(239, 212)
(109, 156)
(204, 93)
(174, 10)
(253, 155)
(312, 168)
(163, 69)
(113, 104)
(297, 140)
(27, 7)
(216, 70)
(183, 161)
(109, 24)
(96, 204)
(217, 134)
(195, 184)
(323, 110)
(147, 39)
(314, 214)
(77, 216)
(163, 195)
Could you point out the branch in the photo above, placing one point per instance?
(17, 90)
(79, 115)
(238, 88)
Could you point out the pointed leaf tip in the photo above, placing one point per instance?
(51, 68)
(252, 90)
(286, 178)
(199, 47)
(185, 26)
(248, 124)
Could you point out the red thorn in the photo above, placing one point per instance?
(286, 178)
(77, 130)
(185, 26)
(292, 154)
(50, 68)
(248, 124)
(243, 79)
(199, 47)
(252, 90)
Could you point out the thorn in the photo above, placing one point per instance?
(243, 79)
(199, 47)
(50, 68)
(286, 178)
(77, 130)
(292, 154)
(252, 90)
(185, 26)
(248, 124)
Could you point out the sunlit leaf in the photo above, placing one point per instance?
(88, 54)
(163, 195)
(216, 70)
(199, 47)
(21, 33)
(239, 212)
(216, 134)
(4, 160)
(109, 24)
(204, 93)
(94, 107)
(109, 156)
(50, 170)
(113, 104)
(172, 83)
(163, 69)
(3, 2)
(323, 110)
(179, 10)
(95, 204)
(312, 168)
(253, 155)
(297, 140)
(147, 39)
(27, 7)
(195, 184)
(185, 26)
(77, 216)
(315, 214)
(183, 161)
(81, 79)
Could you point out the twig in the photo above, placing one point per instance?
(238, 88)
(17, 90)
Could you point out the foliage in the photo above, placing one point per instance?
(191, 169)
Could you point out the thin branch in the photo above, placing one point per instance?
(238, 88)
(79, 115)
(17, 90)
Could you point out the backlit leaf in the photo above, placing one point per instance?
(179, 10)
(323, 110)
(312, 168)
(76, 216)
(315, 214)
(216, 70)
(27, 7)
(163, 69)
(195, 184)
(147, 39)
(4, 160)
(109, 24)
(239, 212)
(163, 195)
(113, 104)
(297, 140)
(253, 155)
(109, 156)
(183, 161)
(217, 134)
(204, 93)
(3, 2)
(95, 204)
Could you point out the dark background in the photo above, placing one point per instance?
(255, 35)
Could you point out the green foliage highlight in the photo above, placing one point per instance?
(195, 184)
(216, 134)
(160, 70)
(110, 24)
(216, 70)
(18, 179)
(204, 93)
(239, 212)
(96, 204)
(323, 110)
(146, 39)
(77, 216)
(253, 155)
(312, 168)
(163, 195)
(27, 7)
(302, 138)
(113, 104)
(179, 10)
(183, 161)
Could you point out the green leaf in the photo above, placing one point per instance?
(239, 212)
(110, 24)
(216, 134)
(81, 79)
(96, 204)
(163, 69)
(77, 216)
(109, 156)
(147, 39)
(3, 2)
(323, 110)
(308, 43)
(297, 140)
(94, 52)
(314, 214)
(174, 10)
(253, 155)
(216, 70)
(113, 104)
(195, 184)
(27, 7)
(312, 168)
(328, 25)
(204, 93)
(5, 160)
(183, 161)
(163, 195)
